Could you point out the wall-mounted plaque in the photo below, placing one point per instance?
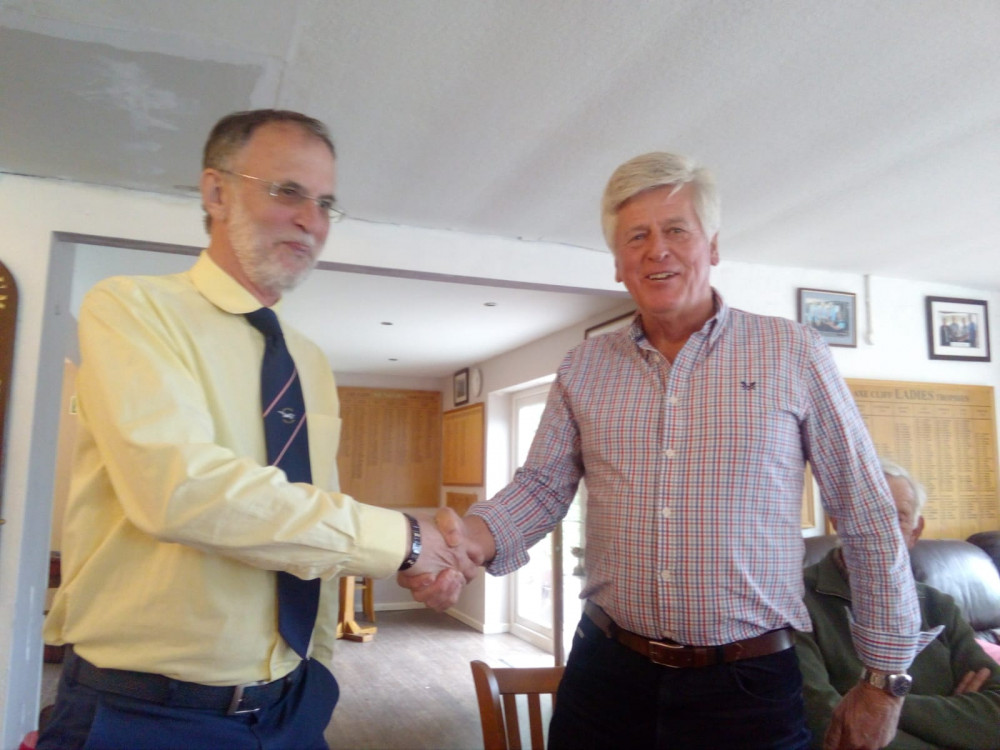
(463, 442)
(8, 322)
(945, 435)
(390, 446)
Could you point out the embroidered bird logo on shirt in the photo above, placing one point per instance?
(752, 385)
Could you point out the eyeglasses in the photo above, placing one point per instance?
(290, 194)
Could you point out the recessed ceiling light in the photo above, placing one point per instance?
(489, 304)
(393, 359)
(386, 322)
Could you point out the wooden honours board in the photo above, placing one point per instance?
(464, 441)
(390, 446)
(945, 435)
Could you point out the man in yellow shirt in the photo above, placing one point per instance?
(178, 527)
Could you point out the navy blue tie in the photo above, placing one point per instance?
(287, 439)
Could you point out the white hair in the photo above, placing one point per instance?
(892, 469)
(660, 169)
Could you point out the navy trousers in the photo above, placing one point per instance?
(611, 697)
(85, 719)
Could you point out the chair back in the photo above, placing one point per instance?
(497, 691)
(967, 574)
(988, 542)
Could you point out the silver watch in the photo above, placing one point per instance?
(897, 685)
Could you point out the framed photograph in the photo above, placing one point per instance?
(609, 325)
(461, 384)
(833, 314)
(958, 329)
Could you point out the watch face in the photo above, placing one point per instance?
(898, 684)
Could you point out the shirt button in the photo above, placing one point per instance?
(665, 512)
(669, 453)
(673, 400)
(666, 576)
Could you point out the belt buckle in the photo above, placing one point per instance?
(237, 701)
(659, 652)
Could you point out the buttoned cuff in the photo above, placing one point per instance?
(382, 543)
(888, 652)
(511, 552)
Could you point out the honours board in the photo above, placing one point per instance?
(945, 435)
(464, 441)
(390, 446)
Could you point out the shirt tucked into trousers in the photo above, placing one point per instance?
(694, 472)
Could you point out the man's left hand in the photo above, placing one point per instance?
(865, 719)
(972, 681)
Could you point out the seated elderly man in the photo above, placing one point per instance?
(954, 700)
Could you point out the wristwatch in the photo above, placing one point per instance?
(897, 685)
(415, 545)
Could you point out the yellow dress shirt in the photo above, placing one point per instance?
(175, 524)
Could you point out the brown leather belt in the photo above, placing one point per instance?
(678, 656)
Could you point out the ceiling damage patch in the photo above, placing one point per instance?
(127, 87)
(81, 101)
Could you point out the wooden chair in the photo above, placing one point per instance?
(501, 729)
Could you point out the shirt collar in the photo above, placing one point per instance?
(712, 328)
(716, 324)
(221, 289)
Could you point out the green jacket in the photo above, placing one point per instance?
(932, 717)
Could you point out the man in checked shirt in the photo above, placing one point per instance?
(692, 428)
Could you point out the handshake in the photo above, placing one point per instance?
(453, 549)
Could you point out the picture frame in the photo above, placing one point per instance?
(8, 329)
(832, 314)
(460, 384)
(619, 321)
(958, 329)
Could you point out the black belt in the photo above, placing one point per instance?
(678, 656)
(156, 688)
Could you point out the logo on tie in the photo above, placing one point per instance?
(287, 415)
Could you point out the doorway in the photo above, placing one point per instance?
(545, 593)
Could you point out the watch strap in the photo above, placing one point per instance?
(415, 545)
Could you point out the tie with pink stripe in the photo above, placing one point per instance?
(287, 448)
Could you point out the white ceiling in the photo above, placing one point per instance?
(856, 136)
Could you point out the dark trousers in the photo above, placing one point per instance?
(86, 719)
(611, 697)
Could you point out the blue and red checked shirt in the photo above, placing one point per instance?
(694, 474)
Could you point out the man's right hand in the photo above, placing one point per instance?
(454, 550)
